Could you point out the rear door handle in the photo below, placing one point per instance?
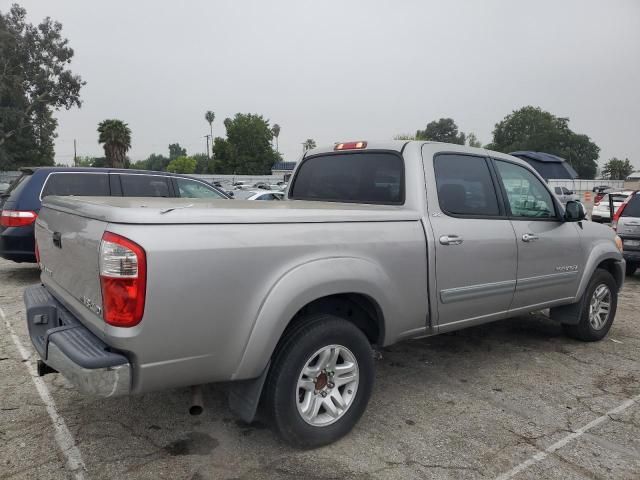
(529, 237)
(450, 240)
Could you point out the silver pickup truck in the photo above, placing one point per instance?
(285, 302)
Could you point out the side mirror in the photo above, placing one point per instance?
(574, 212)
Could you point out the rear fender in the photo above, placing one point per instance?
(299, 287)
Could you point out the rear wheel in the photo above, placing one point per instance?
(631, 268)
(599, 305)
(320, 381)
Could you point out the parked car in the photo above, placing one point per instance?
(258, 195)
(378, 243)
(565, 195)
(23, 201)
(262, 185)
(601, 210)
(626, 222)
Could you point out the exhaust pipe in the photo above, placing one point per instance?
(197, 401)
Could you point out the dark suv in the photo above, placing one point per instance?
(21, 203)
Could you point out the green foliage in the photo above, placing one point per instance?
(209, 117)
(175, 151)
(35, 81)
(115, 135)
(404, 136)
(308, 144)
(276, 133)
(616, 169)
(247, 149)
(473, 141)
(203, 163)
(154, 162)
(96, 162)
(182, 165)
(532, 128)
(443, 130)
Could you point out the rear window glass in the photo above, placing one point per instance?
(17, 186)
(144, 186)
(80, 184)
(361, 177)
(633, 207)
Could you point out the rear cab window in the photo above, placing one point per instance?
(351, 177)
(76, 183)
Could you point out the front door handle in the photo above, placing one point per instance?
(450, 240)
(529, 237)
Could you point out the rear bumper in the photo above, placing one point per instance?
(17, 244)
(67, 346)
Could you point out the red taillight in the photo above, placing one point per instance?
(17, 218)
(350, 146)
(123, 277)
(616, 216)
(597, 199)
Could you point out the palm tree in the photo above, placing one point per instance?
(276, 133)
(116, 137)
(210, 117)
(308, 144)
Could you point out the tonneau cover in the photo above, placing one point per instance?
(132, 210)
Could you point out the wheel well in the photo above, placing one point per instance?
(610, 266)
(359, 309)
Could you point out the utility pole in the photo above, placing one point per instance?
(208, 152)
(75, 157)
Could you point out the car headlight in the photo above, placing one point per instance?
(619, 244)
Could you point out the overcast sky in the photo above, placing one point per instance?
(339, 70)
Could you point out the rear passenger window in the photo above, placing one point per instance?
(80, 184)
(465, 186)
(144, 186)
(633, 207)
(351, 177)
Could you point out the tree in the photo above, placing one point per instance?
(95, 162)
(210, 117)
(443, 130)
(404, 136)
(204, 164)
(308, 144)
(116, 137)
(175, 151)
(616, 169)
(473, 141)
(182, 165)
(247, 150)
(276, 133)
(35, 81)
(532, 128)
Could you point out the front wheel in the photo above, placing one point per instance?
(320, 381)
(599, 305)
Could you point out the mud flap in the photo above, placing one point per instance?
(244, 396)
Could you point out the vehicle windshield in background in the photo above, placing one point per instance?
(633, 207)
(362, 177)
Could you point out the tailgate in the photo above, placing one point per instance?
(69, 247)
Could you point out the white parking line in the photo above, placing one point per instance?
(64, 439)
(572, 436)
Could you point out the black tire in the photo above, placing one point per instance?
(631, 268)
(314, 333)
(584, 330)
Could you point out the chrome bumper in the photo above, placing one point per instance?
(68, 347)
